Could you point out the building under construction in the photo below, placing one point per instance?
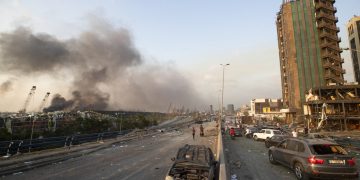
(309, 51)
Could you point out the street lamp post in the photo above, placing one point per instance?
(222, 90)
(32, 131)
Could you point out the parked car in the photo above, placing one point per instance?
(238, 132)
(265, 134)
(249, 131)
(318, 135)
(314, 158)
(193, 162)
(275, 140)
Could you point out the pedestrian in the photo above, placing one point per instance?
(201, 130)
(294, 133)
(232, 133)
(193, 133)
(306, 130)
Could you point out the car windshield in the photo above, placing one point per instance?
(324, 149)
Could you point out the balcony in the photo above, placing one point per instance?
(337, 68)
(330, 46)
(331, 17)
(321, 5)
(328, 26)
(330, 36)
(335, 78)
(336, 58)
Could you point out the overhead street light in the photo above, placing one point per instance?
(222, 90)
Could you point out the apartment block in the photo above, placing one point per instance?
(309, 49)
(353, 27)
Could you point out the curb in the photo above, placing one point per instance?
(221, 157)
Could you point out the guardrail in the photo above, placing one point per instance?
(9, 148)
(68, 141)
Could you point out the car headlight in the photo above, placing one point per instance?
(169, 178)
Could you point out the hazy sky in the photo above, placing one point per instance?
(192, 37)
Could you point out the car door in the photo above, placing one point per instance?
(275, 140)
(278, 151)
(261, 134)
(267, 134)
(290, 152)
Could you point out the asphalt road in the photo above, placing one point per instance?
(248, 160)
(147, 158)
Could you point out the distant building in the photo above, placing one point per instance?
(308, 49)
(230, 109)
(243, 111)
(353, 27)
(265, 106)
(211, 109)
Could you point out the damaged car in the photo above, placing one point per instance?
(193, 162)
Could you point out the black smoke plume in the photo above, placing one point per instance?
(59, 103)
(25, 52)
(107, 71)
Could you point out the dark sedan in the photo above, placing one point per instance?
(275, 140)
(314, 158)
(193, 162)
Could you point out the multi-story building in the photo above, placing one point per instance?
(230, 109)
(308, 49)
(353, 27)
(264, 106)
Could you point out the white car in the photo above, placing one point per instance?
(265, 134)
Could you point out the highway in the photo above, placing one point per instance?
(248, 160)
(146, 158)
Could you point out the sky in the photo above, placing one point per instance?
(190, 38)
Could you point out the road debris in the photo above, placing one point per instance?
(17, 173)
(234, 177)
(237, 164)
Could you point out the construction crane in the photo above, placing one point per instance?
(43, 102)
(26, 104)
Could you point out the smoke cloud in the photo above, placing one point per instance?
(25, 52)
(108, 71)
(6, 86)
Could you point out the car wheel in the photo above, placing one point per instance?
(271, 158)
(299, 172)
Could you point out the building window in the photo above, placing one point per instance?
(351, 29)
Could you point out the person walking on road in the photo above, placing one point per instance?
(201, 130)
(193, 133)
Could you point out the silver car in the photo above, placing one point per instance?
(314, 158)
